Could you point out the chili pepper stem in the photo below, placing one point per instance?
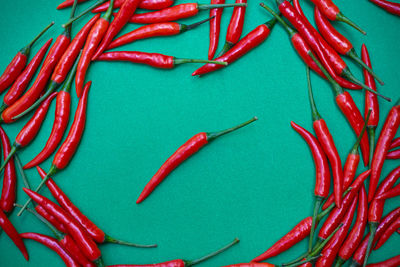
(314, 111)
(53, 170)
(109, 239)
(14, 149)
(317, 206)
(185, 28)
(304, 261)
(227, 46)
(353, 54)
(204, 258)
(99, 262)
(21, 171)
(99, 2)
(27, 48)
(286, 26)
(339, 262)
(211, 6)
(296, 260)
(215, 135)
(372, 231)
(178, 61)
(371, 133)
(3, 107)
(343, 18)
(319, 246)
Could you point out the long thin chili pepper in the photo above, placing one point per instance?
(176, 12)
(8, 193)
(215, 27)
(152, 59)
(51, 219)
(392, 262)
(388, 233)
(71, 20)
(340, 43)
(23, 80)
(395, 143)
(244, 46)
(144, 4)
(356, 234)
(68, 3)
(185, 151)
(395, 154)
(30, 130)
(61, 118)
(235, 28)
(155, 30)
(18, 63)
(332, 12)
(10, 230)
(70, 144)
(394, 192)
(390, 7)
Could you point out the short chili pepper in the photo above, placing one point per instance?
(386, 136)
(144, 4)
(215, 28)
(390, 7)
(244, 46)
(332, 12)
(154, 30)
(182, 263)
(30, 130)
(340, 43)
(235, 28)
(388, 233)
(121, 19)
(176, 12)
(395, 143)
(185, 151)
(392, 262)
(18, 63)
(10, 230)
(395, 154)
(23, 80)
(70, 144)
(71, 20)
(68, 3)
(356, 234)
(8, 193)
(152, 59)
(394, 192)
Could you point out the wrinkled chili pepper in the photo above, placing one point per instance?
(395, 154)
(144, 4)
(215, 28)
(244, 46)
(154, 30)
(8, 193)
(392, 262)
(185, 151)
(18, 63)
(388, 233)
(70, 144)
(390, 7)
(176, 12)
(68, 3)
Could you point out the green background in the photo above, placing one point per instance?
(255, 184)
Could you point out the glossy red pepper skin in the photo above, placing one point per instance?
(23, 80)
(387, 134)
(145, 4)
(388, 233)
(392, 262)
(72, 248)
(10, 230)
(52, 244)
(13, 70)
(390, 7)
(395, 154)
(84, 241)
(151, 59)
(168, 14)
(390, 193)
(328, 8)
(173, 263)
(68, 3)
(395, 143)
(215, 28)
(252, 264)
(294, 236)
(124, 14)
(51, 219)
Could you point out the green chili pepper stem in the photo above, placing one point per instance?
(296, 260)
(204, 258)
(314, 110)
(178, 61)
(286, 26)
(73, 9)
(328, 209)
(372, 232)
(53, 170)
(26, 50)
(109, 239)
(214, 135)
(354, 264)
(99, 2)
(227, 46)
(13, 150)
(343, 18)
(317, 206)
(99, 262)
(185, 28)
(108, 14)
(3, 107)
(21, 171)
(70, 77)
(371, 133)
(67, 30)
(353, 54)
(304, 261)
(212, 6)
(339, 262)
(318, 249)
(354, 150)
(271, 23)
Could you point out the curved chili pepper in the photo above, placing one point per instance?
(61, 118)
(10, 230)
(395, 143)
(356, 234)
(176, 12)
(390, 7)
(388, 233)
(392, 262)
(394, 192)
(18, 63)
(154, 30)
(185, 151)
(340, 43)
(124, 14)
(244, 46)
(387, 134)
(8, 193)
(70, 144)
(215, 27)
(23, 80)
(332, 12)
(68, 3)
(235, 28)
(51, 219)
(152, 59)
(144, 4)
(30, 130)
(395, 154)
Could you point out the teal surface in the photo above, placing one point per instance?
(254, 184)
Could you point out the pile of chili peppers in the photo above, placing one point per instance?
(77, 239)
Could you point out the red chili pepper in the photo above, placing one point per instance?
(388, 233)
(176, 12)
(215, 27)
(68, 3)
(52, 244)
(145, 4)
(395, 143)
(356, 234)
(390, 7)
(252, 264)
(51, 219)
(152, 59)
(340, 43)
(8, 194)
(18, 63)
(332, 12)
(185, 151)
(124, 14)
(244, 46)
(70, 144)
(394, 192)
(395, 154)
(154, 30)
(10, 230)
(93, 6)
(23, 80)
(387, 134)
(392, 262)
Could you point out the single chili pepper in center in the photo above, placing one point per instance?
(215, 28)
(185, 151)
(390, 7)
